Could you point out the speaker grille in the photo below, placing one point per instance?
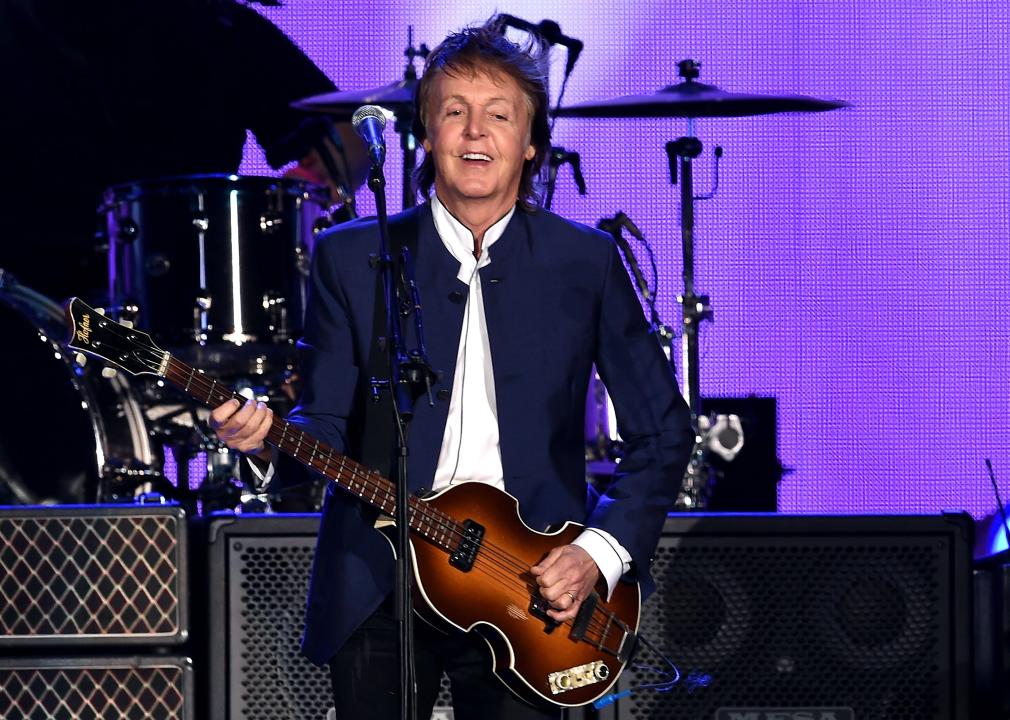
(91, 576)
(96, 689)
(860, 621)
(260, 577)
(269, 578)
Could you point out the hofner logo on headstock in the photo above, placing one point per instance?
(84, 329)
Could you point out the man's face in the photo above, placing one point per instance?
(478, 135)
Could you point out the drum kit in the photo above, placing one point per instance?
(215, 268)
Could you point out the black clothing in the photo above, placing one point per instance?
(361, 674)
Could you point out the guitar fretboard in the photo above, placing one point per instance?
(316, 455)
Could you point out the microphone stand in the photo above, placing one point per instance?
(410, 376)
(399, 386)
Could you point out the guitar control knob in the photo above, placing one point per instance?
(109, 372)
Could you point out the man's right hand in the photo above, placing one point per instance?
(243, 427)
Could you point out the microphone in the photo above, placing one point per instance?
(369, 121)
(551, 32)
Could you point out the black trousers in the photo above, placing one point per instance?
(365, 674)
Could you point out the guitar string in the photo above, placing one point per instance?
(437, 519)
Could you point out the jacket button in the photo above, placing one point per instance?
(456, 296)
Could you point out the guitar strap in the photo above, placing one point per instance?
(377, 432)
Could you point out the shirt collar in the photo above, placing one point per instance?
(458, 239)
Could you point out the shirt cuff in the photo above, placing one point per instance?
(608, 554)
(263, 472)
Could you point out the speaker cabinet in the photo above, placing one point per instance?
(98, 688)
(868, 615)
(992, 636)
(92, 576)
(258, 569)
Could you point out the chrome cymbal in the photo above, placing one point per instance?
(396, 97)
(692, 99)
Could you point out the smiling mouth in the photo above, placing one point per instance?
(477, 156)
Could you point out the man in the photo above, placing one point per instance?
(518, 306)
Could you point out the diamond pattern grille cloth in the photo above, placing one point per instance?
(113, 693)
(102, 577)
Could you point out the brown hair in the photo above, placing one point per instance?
(485, 49)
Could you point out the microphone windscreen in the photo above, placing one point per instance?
(368, 111)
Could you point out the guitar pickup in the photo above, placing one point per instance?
(538, 609)
(465, 554)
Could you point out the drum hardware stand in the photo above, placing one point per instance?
(404, 125)
(558, 157)
(695, 309)
(606, 445)
(345, 198)
(222, 487)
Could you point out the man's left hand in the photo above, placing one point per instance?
(566, 577)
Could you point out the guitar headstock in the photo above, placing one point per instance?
(124, 347)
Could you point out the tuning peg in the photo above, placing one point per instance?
(100, 311)
(126, 323)
(81, 359)
(109, 372)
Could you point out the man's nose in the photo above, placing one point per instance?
(475, 125)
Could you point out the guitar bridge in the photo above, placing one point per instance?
(465, 553)
(585, 614)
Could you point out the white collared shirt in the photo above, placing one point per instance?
(470, 451)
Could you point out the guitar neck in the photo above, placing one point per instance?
(289, 439)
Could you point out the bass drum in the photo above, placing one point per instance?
(67, 434)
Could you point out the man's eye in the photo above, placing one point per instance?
(455, 112)
(499, 116)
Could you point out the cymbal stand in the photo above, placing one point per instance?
(404, 125)
(694, 308)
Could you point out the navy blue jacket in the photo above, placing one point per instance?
(557, 299)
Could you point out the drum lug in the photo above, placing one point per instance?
(275, 306)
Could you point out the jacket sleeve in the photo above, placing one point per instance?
(652, 417)
(328, 363)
